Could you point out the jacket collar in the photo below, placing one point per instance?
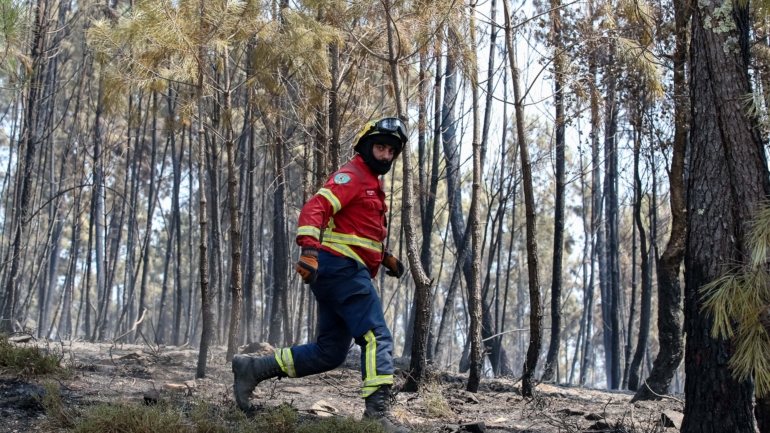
(359, 162)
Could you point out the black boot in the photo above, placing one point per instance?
(248, 371)
(378, 408)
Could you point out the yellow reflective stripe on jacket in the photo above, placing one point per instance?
(286, 361)
(344, 250)
(311, 231)
(356, 241)
(333, 200)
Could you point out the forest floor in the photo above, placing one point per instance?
(134, 374)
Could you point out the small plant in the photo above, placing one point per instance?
(212, 418)
(340, 425)
(200, 417)
(26, 361)
(107, 418)
(436, 404)
(208, 418)
(281, 419)
(58, 415)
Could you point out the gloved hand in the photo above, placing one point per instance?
(394, 265)
(307, 265)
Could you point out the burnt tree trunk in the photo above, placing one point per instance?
(728, 180)
(203, 270)
(236, 290)
(559, 67)
(535, 305)
(646, 272)
(421, 280)
(668, 264)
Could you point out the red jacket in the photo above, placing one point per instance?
(347, 216)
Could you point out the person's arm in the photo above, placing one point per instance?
(394, 266)
(314, 217)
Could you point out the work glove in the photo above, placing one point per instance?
(394, 265)
(307, 265)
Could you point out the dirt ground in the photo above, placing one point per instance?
(125, 373)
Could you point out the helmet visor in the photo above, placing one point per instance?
(392, 125)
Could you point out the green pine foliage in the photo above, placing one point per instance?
(735, 301)
(157, 43)
(12, 34)
(635, 40)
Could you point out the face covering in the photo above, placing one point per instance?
(377, 166)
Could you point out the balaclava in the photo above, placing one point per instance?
(365, 150)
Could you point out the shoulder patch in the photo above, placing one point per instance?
(341, 178)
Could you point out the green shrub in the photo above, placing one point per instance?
(195, 417)
(124, 418)
(58, 414)
(281, 419)
(341, 425)
(26, 361)
(436, 405)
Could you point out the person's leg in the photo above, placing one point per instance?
(362, 309)
(366, 321)
(333, 342)
(248, 372)
(326, 353)
(376, 359)
(348, 307)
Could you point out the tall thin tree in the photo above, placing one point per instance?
(535, 306)
(474, 288)
(203, 271)
(645, 250)
(236, 291)
(669, 263)
(28, 144)
(409, 221)
(559, 71)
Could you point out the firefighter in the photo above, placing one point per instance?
(340, 234)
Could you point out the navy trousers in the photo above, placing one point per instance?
(349, 308)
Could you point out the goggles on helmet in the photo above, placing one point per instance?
(388, 125)
(392, 125)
